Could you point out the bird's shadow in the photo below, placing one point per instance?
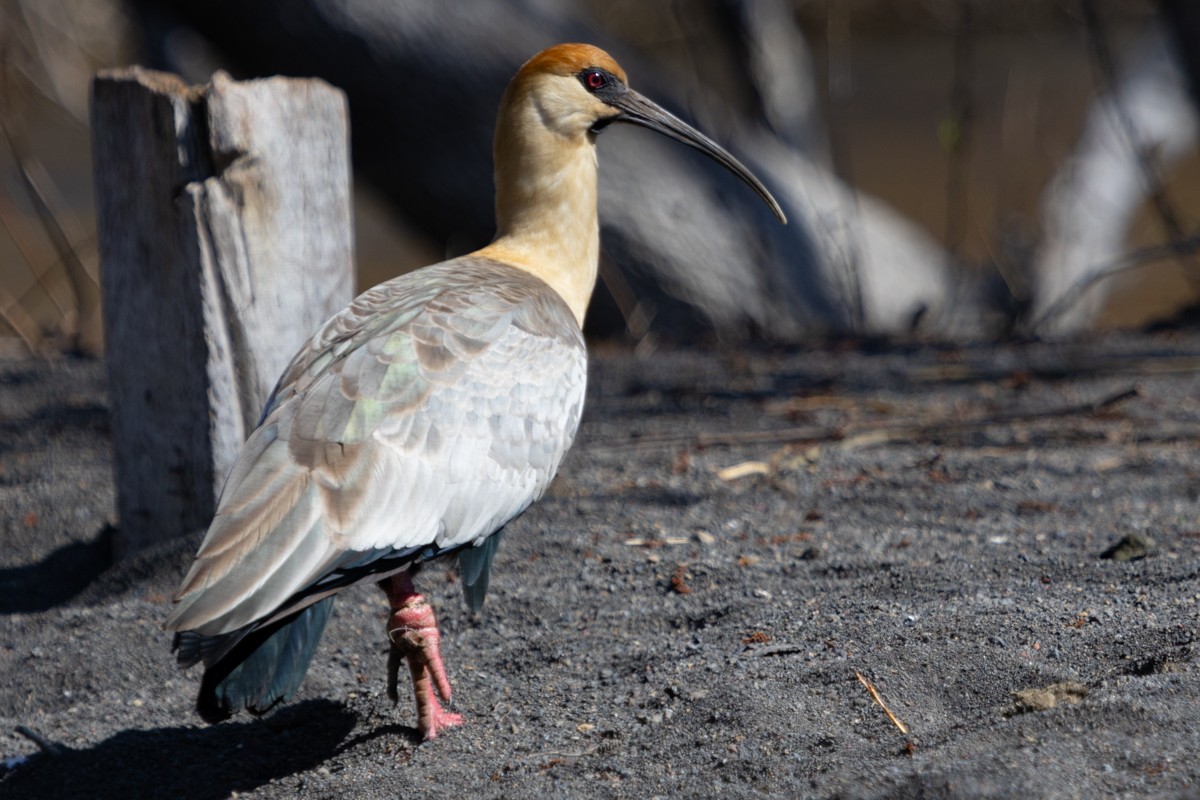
(195, 762)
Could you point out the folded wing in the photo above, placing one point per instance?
(422, 418)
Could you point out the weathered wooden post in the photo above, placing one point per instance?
(226, 238)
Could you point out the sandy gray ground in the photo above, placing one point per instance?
(932, 518)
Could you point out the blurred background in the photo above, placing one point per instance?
(957, 168)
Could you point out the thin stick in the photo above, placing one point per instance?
(558, 754)
(48, 747)
(889, 433)
(849, 220)
(17, 318)
(47, 206)
(1124, 263)
(958, 145)
(775, 650)
(875, 696)
(1145, 154)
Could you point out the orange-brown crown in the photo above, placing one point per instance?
(569, 59)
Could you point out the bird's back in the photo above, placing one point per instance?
(423, 417)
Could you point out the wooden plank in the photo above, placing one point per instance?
(226, 238)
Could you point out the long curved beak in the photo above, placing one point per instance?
(642, 111)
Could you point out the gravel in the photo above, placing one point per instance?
(1003, 540)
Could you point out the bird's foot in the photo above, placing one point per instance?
(413, 632)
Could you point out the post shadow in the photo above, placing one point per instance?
(197, 762)
(57, 578)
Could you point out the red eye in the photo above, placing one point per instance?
(595, 80)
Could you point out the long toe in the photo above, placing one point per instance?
(432, 719)
(413, 632)
(428, 685)
(439, 719)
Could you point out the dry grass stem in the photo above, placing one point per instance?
(875, 696)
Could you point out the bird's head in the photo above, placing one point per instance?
(577, 90)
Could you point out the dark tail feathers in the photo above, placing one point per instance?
(264, 668)
(475, 569)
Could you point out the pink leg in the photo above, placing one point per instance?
(414, 635)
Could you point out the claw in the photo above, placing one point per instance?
(412, 630)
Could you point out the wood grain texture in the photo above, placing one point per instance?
(226, 238)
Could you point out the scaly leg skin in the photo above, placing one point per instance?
(412, 630)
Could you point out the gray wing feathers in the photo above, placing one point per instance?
(431, 411)
(266, 538)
